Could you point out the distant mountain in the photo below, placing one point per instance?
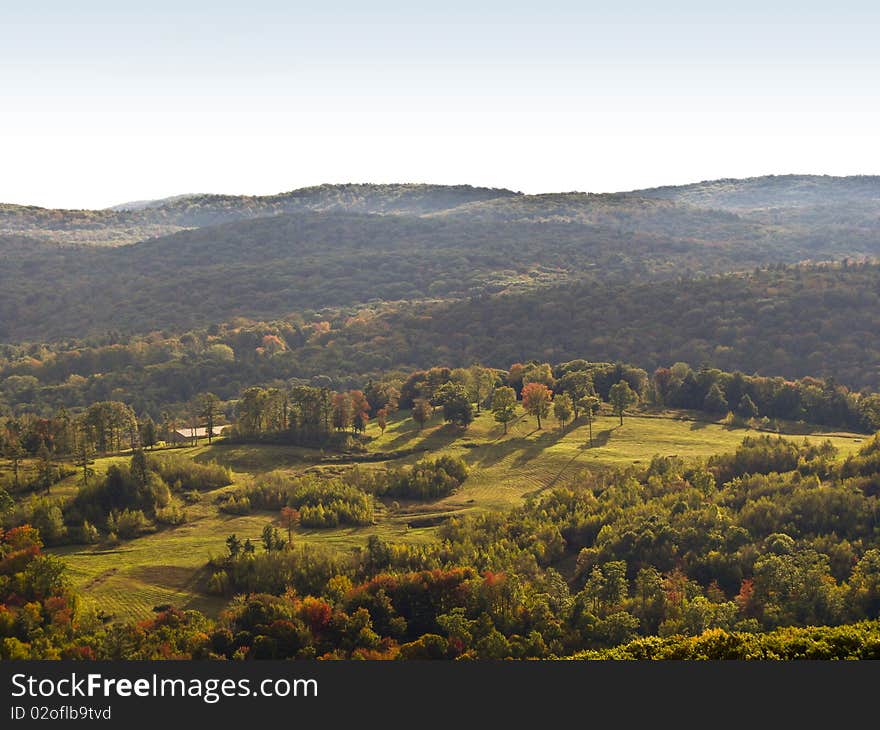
(198, 259)
(144, 204)
(396, 199)
(784, 200)
(124, 224)
(772, 191)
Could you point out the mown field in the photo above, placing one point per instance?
(168, 566)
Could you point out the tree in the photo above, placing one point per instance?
(7, 504)
(747, 408)
(85, 454)
(207, 405)
(46, 471)
(382, 419)
(715, 402)
(578, 384)
(341, 411)
(360, 411)
(480, 384)
(621, 397)
(869, 412)
(562, 408)
(250, 411)
(456, 403)
(538, 373)
(271, 538)
(139, 468)
(590, 405)
(233, 544)
(289, 517)
(504, 405)
(422, 411)
(536, 398)
(14, 452)
(515, 377)
(149, 435)
(382, 395)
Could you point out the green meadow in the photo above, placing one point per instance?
(169, 565)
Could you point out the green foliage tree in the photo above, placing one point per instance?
(207, 408)
(590, 405)
(456, 403)
(577, 384)
(47, 472)
(480, 383)
(715, 402)
(271, 539)
(13, 451)
(149, 433)
(504, 405)
(621, 397)
(562, 408)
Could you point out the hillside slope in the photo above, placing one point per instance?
(147, 219)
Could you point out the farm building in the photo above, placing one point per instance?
(188, 435)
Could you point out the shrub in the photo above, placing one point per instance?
(128, 523)
(189, 475)
(426, 479)
(173, 514)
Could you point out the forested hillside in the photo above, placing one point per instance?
(790, 322)
(774, 191)
(128, 224)
(313, 261)
(273, 266)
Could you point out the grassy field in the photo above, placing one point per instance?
(169, 566)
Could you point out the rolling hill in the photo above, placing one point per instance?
(201, 259)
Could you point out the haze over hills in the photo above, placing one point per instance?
(199, 259)
(773, 191)
(157, 203)
(129, 223)
(789, 197)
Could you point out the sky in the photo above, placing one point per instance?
(107, 102)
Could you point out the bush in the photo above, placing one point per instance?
(321, 502)
(88, 534)
(426, 479)
(128, 523)
(185, 474)
(236, 505)
(173, 514)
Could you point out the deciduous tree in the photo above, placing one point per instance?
(536, 399)
(621, 397)
(504, 405)
(562, 408)
(422, 411)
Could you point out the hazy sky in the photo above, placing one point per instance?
(103, 102)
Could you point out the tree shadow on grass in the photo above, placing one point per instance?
(404, 435)
(600, 438)
(534, 447)
(443, 436)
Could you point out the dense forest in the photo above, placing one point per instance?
(784, 322)
(198, 260)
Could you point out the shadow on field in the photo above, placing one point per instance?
(600, 438)
(534, 448)
(404, 435)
